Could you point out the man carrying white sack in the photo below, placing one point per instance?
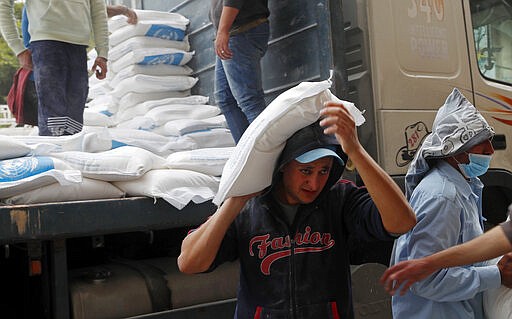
(291, 238)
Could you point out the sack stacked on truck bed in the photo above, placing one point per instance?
(144, 133)
(147, 61)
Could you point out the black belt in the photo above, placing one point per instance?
(247, 26)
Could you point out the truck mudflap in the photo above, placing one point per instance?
(126, 288)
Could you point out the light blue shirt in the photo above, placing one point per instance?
(449, 212)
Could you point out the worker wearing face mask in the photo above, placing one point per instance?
(444, 190)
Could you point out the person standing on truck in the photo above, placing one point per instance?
(241, 40)
(30, 97)
(492, 244)
(443, 188)
(291, 238)
(60, 34)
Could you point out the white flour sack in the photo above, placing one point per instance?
(177, 187)
(150, 141)
(152, 56)
(94, 118)
(120, 164)
(164, 29)
(156, 69)
(145, 42)
(218, 137)
(209, 161)
(151, 83)
(119, 21)
(165, 113)
(250, 168)
(10, 148)
(128, 112)
(185, 126)
(497, 302)
(24, 174)
(133, 99)
(138, 123)
(93, 141)
(86, 190)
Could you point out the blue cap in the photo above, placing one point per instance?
(317, 153)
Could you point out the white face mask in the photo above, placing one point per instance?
(478, 165)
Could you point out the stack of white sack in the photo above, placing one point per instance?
(98, 164)
(147, 61)
(31, 173)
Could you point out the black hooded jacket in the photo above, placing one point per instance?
(300, 270)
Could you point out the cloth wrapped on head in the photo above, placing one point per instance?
(458, 126)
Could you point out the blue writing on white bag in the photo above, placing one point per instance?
(165, 32)
(173, 58)
(23, 167)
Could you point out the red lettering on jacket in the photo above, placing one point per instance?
(280, 246)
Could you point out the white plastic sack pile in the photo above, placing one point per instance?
(23, 174)
(177, 187)
(250, 168)
(120, 164)
(209, 161)
(86, 190)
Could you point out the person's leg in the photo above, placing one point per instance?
(235, 118)
(30, 104)
(77, 86)
(51, 72)
(243, 71)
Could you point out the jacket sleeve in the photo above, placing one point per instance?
(361, 217)
(100, 27)
(8, 27)
(439, 227)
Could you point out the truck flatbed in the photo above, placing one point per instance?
(50, 221)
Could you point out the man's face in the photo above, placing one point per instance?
(484, 148)
(302, 183)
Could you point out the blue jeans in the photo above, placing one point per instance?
(62, 85)
(238, 89)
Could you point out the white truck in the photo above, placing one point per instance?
(396, 59)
